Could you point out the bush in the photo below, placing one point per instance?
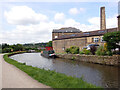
(73, 50)
(109, 53)
(6, 50)
(85, 51)
(67, 50)
(101, 51)
(81, 52)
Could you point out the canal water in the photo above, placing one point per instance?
(100, 75)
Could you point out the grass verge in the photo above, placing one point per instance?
(50, 78)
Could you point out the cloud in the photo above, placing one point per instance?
(59, 17)
(94, 21)
(110, 21)
(75, 11)
(32, 27)
(23, 15)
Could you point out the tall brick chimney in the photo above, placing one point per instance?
(102, 19)
(118, 23)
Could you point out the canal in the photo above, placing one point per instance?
(100, 75)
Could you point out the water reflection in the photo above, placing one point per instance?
(100, 75)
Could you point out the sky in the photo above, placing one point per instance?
(33, 22)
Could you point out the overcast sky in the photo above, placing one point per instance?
(33, 22)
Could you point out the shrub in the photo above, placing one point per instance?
(6, 50)
(67, 50)
(86, 52)
(73, 50)
(81, 52)
(109, 53)
(101, 51)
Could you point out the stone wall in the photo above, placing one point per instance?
(59, 46)
(105, 60)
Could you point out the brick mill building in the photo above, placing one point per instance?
(66, 37)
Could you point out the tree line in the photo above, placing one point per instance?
(6, 48)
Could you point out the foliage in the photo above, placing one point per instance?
(49, 44)
(51, 78)
(73, 50)
(67, 50)
(109, 53)
(6, 50)
(101, 51)
(86, 52)
(81, 52)
(112, 39)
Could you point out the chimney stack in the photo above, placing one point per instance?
(102, 19)
(118, 23)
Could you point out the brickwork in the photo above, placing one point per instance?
(59, 46)
(102, 19)
(60, 34)
(119, 22)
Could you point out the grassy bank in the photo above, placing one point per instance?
(50, 78)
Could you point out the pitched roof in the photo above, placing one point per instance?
(87, 34)
(66, 30)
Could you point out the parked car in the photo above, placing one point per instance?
(88, 47)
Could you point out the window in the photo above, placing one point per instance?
(72, 35)
(96, 39)
(56, 36)
(87, 33)
(101, 31)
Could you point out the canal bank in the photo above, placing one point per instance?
(50, 78)
(103, 60)
(99, 75)
(12, 77)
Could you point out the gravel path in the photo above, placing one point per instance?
(12, 77)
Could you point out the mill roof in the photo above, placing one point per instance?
(87, 34)
(67, 30)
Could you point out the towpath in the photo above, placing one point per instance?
(12, 77)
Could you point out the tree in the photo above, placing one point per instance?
(5, 45)
(49, 44)
(113, 40)
(17, 47)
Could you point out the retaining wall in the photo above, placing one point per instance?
(104, 60)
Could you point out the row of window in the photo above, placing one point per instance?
(97, 39)
(94, 39)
